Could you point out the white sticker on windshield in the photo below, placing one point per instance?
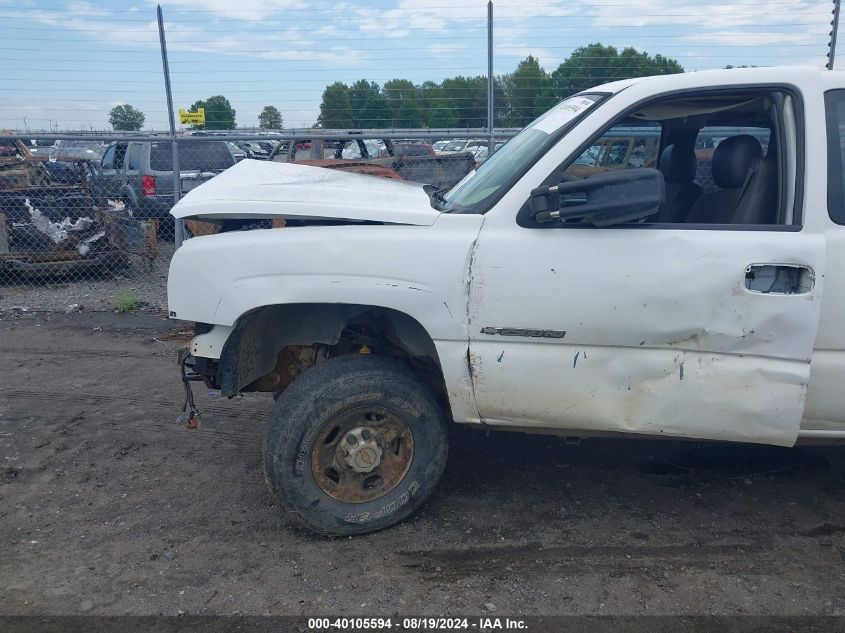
(562, 113)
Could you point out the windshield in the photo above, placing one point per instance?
(80, 144)
(516, 155)
(352, 149)
(454, 146)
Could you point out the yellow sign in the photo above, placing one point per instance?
(197, 117)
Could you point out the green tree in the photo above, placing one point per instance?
(461, 101)
(469, 94)
(439, 110)
(368, 105)
(270, 118)
(219, 113)
(335, 112)
(404, 103)
(527, 93)
(595, 64)
(125, 117)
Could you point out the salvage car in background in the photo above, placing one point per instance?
(408, 148)
(461, 145)
(403, 160)
(71, 150)
(479, 153)
(140, 173)
(439, 145)
(255, 150)
(51, 225)
(237, 152)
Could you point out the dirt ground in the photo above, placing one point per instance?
(107, 506)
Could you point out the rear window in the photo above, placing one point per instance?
(834, 101)
(193, 156)
(411, 149)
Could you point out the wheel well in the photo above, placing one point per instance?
(271, 345)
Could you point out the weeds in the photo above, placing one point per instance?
(126, 302)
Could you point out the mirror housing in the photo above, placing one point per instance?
(603, 199)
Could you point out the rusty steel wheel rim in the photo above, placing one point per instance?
(362, 454)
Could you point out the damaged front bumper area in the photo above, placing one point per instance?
(199, 368)
(201, 362)
(201, 359)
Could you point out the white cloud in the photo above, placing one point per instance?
(447, 49)
(745, 38)
(337, 55)
(245, 10)
(706, 16)
(86, 9)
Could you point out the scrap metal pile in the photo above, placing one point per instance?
(51, 225)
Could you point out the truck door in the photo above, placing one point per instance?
(111, 171)
(105, 175)
(703, 327)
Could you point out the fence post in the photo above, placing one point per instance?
(179, 232)
(491, 143)
(834, 24)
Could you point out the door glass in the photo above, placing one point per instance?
(628, 146)
(134, 163)
(835, 103)
(592, 157)
(119, 155)
(108, 158)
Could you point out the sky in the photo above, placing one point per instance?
(66, 64)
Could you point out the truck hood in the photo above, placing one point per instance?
(261, 189)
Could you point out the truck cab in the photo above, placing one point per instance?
(690, 285)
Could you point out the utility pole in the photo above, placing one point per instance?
(834, 24)
(179, 235)
(491, 143)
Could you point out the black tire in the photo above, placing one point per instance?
(342, 387)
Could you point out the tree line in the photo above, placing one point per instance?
(519, 97)
(219, 115)
(456, 102)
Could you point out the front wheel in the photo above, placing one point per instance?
(354, 445)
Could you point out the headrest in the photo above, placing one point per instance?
(677, 164)
(733, 158)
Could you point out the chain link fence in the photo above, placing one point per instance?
(77, 208)
(86, 215)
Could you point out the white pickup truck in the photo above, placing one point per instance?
(655, 257)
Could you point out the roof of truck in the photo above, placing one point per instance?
(729, 75)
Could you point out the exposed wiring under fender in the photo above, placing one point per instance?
(190, 415)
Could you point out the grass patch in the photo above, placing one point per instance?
(126, 302)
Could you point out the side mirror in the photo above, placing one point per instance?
(603, 199)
